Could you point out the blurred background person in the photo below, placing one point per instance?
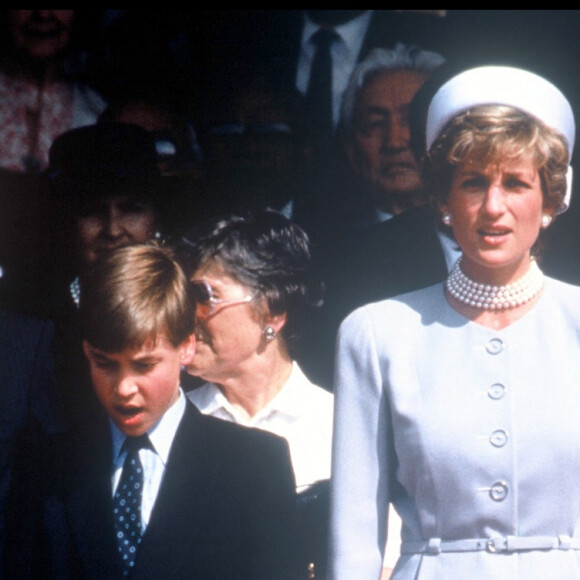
(316, 51)
(106, 190)
(254, 155)
(255, 290)
(175, 138)
(375, 132)
(176, 146)
(42, 90)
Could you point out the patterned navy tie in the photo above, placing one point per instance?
(127, 502)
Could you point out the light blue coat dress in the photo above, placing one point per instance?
(472, 433)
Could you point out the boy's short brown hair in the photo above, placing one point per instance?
(133, 294)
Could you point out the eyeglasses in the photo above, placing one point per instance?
(203, 295)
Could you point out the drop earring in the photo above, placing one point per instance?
(446, 218)
(546, 220)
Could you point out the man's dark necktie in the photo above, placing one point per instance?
(127, 502)
(319, 93)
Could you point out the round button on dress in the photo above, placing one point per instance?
(494, 346)
(498, 438)
(496, 391)
(498, 491)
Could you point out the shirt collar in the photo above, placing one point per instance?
(210, 398)
(382, 216)
(287, 402)
(161, 434)
(352, 32)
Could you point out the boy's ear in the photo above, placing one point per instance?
(187, 350)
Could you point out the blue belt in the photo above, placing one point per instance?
(495, 544)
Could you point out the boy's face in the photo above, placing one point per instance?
(137, 385)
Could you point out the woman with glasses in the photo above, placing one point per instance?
(458, 403)
(255, 290)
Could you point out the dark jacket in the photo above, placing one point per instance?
(225, 509)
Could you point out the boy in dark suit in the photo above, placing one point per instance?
(166, 492)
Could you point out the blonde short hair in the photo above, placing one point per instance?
(490, 134)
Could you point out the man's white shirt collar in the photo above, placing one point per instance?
(344, 54)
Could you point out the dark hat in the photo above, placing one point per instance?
(111, 151)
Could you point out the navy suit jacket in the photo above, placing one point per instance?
(29, 415)
(225, 509)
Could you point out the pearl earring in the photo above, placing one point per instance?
(269, 333)
(446, 218)
(546, 220)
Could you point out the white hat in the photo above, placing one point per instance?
(502, 85)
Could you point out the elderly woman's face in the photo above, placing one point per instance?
(496, 215)
(231, 336)
(111, 222)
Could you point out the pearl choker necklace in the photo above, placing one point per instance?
(487, 297)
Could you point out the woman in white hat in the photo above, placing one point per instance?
(460, 403)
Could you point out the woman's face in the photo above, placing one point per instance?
(231, 338)
(111, 222)
(496, 214)
(41, 34)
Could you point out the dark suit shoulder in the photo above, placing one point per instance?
(230, 491)
(27, 372)
(233, 437)
(17, 326)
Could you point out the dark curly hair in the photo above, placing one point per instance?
(266, 252)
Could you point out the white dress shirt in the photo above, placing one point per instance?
(153, 460)
(344, 53)
(301, 413)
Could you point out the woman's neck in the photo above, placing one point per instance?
(255, 386)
